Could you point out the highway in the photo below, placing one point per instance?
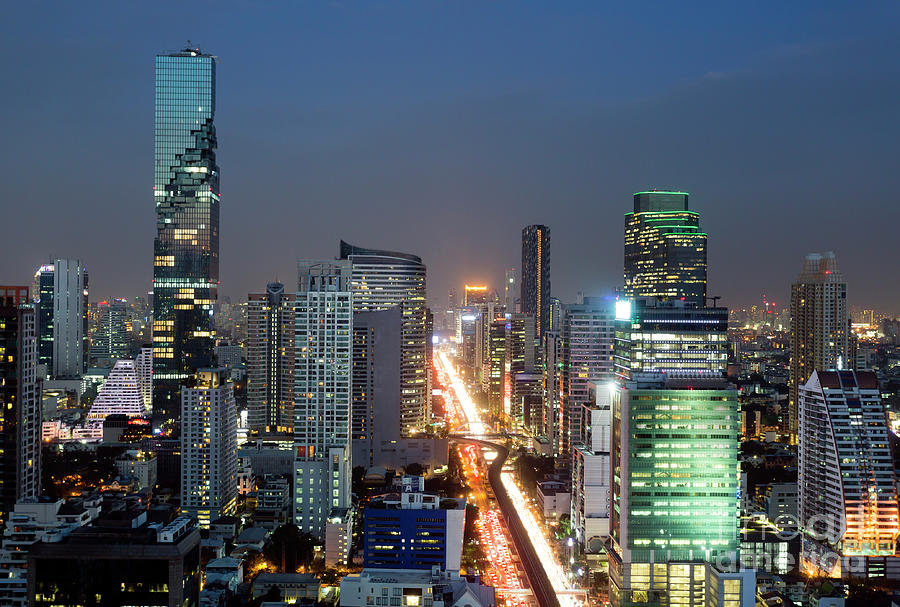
(546, 578)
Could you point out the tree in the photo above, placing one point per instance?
(289, 548)
(358, 481)
(415, 469)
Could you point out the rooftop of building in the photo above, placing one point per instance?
(266, 578)
(348, 249)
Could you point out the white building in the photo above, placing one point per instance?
(70, 289)
(139, 465)
(209, 447)
(34, 521)
(413, 588)
(590, 469)
(338, 535)
(323, 356)
(554, 498)
(848, 489)
(126, 389)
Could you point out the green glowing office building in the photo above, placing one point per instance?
(665, 251)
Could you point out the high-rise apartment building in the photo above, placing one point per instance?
(588, 337)
(535, 292)
(186, 248)
(322, 393)
(498, 398)
(62, 310)
(383, 279)
(552, 387)
(848, 488)
(520, 354)
(665, 251)
(512, 290)
(20, 403)
(675, 486)
(819, 326)
(270, 361)
(111, 340)
(209, 447)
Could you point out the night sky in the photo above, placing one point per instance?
(442, 128)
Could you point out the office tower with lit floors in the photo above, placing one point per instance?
(674, 517)
(384, 279)
(209, 447)
(819, 326)
(186, 248)
(665, 251)
(588, 338)
(62, 308)
(673, 337)
(270, 362)
(20, 403)
(322, 392)
(847, 482)
(535, 292)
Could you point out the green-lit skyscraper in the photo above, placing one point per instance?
(675, 481)
(186, 249)
(665, 251)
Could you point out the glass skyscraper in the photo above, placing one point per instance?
(186, 249)
(665, 251)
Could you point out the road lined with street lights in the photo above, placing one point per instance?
(545, 575)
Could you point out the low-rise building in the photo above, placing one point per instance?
(295, 588)
(413, 530)
(414, 588)
(554, 498)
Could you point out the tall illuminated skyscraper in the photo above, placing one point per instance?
(186, 249)
(381, 280)
(819, 326)
(322, 393)
(535, 294)
(665, 251)
(209, 447)
(675, 489)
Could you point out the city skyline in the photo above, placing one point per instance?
(558, 175)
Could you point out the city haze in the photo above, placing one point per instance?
(443, 129)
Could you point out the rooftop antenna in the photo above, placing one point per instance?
(715, 299)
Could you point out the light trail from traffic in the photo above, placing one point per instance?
(536, 537)
(470, 411)
(551, 566)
